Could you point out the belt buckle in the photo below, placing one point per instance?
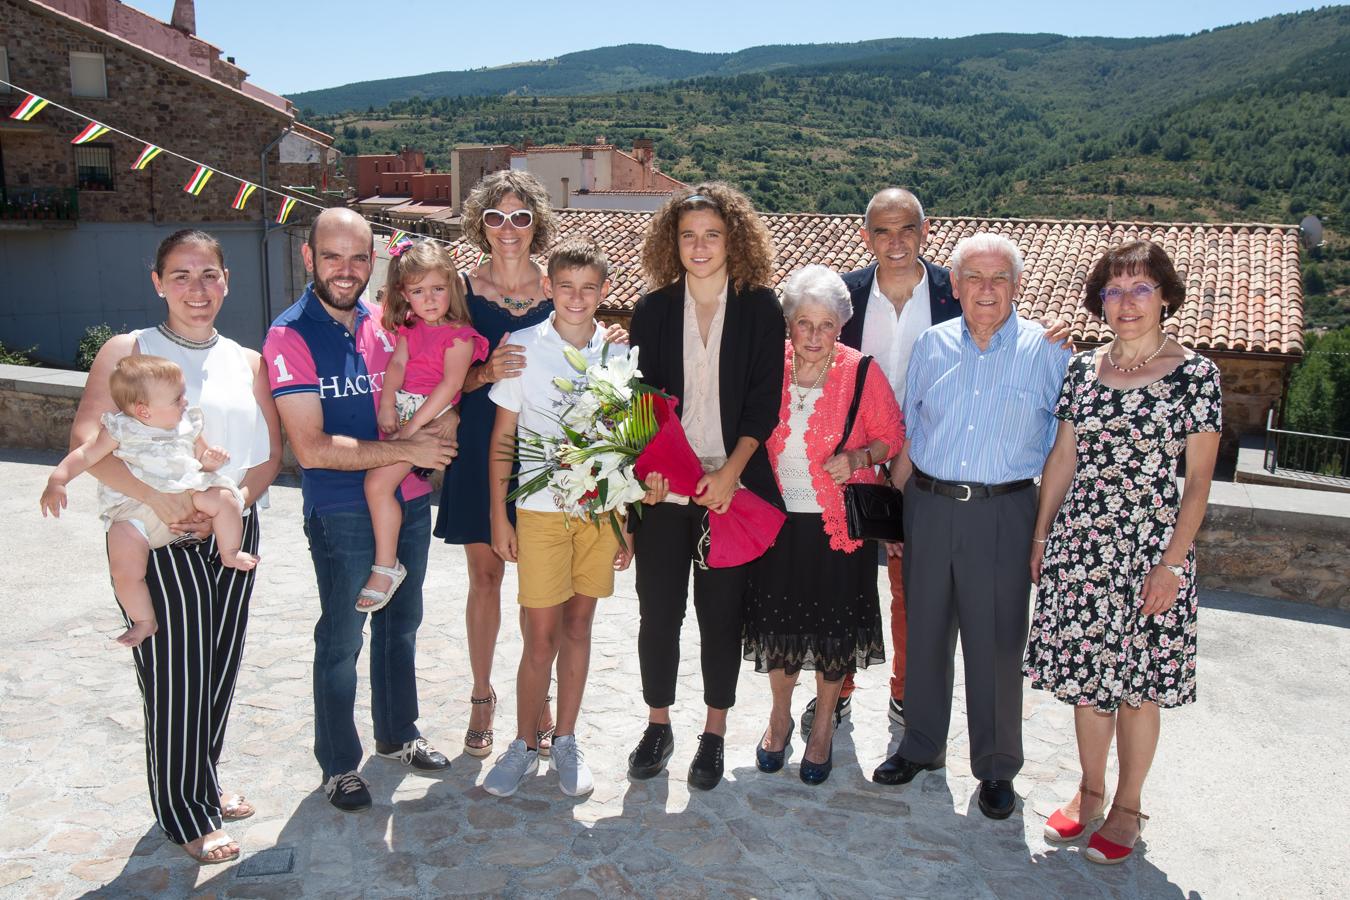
(967, 496)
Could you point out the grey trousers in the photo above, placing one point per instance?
(966, 570)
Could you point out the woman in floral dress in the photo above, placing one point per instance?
(1114, 627)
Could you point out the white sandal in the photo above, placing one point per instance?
(203, 856)
(381, 598)
(234, 807)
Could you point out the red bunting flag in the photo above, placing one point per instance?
(198, 181)
(246, 190)
(148, 153)
(285, 212)
(91, 132)
(31, 106)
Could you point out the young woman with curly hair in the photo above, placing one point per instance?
(711, 334)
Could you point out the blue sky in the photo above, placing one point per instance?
(289, 46)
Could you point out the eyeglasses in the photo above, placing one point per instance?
(496, 218)
(1140, 292)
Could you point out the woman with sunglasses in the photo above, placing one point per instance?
(507, 216)
(711, 335)
(1112, 553)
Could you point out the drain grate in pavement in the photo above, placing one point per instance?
(273, 861)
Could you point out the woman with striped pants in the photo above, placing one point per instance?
(188, 668)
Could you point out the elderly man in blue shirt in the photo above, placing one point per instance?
(979, 412)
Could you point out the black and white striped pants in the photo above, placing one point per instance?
(187, 672)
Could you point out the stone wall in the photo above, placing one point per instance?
(147, 97)
(1250, 388)
(1277, 542)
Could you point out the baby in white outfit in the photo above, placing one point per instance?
(160, 440)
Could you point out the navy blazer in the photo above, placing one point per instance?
(941, 303)
(750, 367)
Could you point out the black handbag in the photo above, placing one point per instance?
(873, 511)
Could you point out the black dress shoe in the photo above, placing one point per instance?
(348, 792)
(772, 760)
(416, 753)
(898, 770)
(705, 772)
(997, 798)
(652, 752)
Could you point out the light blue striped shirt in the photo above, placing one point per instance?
(985, 417)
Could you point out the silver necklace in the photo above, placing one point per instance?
(171, 335)
(1110, 357)
(802, 395)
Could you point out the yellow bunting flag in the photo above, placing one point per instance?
(31, 106)
(246, 190)
(147, 154)
(285, 212)
(92, 131)
(198, 181)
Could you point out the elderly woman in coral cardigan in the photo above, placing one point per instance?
(813, 596)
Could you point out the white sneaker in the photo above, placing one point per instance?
(513, 767)
(574, 776)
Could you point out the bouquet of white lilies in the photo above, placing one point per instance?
(606, 417)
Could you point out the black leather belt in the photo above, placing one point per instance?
(960, 490)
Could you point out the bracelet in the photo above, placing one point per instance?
(1039, 540)
(868, 448)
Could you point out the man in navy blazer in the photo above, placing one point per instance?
(894, 300)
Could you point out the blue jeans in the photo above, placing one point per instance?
(342, 545)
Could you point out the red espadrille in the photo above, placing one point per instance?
(1109, 853)
(1060, 829)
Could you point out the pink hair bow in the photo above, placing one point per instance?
(398, 249)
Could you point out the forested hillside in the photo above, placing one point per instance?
(1246, 123)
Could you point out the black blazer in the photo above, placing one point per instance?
(941, 303)
(750, 366)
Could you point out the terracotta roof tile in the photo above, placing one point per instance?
(1244, 288)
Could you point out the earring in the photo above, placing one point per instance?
(161, 296)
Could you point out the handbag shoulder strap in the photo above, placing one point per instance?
(853, 406)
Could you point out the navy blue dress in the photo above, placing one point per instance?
(463, 517)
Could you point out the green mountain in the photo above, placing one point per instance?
(1245, 123)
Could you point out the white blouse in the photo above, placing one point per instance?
(701, 413)
(794, 476)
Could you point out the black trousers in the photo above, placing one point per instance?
(665, 545)
(966, 570)
(187, 672)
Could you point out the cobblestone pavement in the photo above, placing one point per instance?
(1243, 793)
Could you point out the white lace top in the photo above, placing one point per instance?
(794, 477)
(163, 458)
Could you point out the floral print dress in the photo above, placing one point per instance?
(1088, 643)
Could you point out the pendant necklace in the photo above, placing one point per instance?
(802, 395)
(509, 302)
(1110, 351)
(188, 343)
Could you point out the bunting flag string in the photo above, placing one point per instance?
(246, 190)
(198, 181)
(147, 154)
(91, 132)
(31, 106)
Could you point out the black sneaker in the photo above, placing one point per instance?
(416, 753)
(897, 711)
(652, 752)
(705, 772)
(348, 792)
(842, 707)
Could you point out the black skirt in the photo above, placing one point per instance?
(810, 606)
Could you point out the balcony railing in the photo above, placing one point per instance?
(1314, 454)
(38, 204)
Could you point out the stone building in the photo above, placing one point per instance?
(1244, 291)
(80, 225)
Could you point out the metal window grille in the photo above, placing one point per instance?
(93, 167)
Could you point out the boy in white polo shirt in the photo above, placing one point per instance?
(564, 563)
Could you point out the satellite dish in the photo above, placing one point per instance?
(1310, 230)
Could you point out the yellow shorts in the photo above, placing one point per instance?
(559, 555)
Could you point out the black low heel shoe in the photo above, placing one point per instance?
(815, 773)
(705, 772)
(772, 760)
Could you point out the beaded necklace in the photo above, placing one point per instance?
(171, 335)
(1110, 357)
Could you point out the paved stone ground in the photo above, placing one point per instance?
(1245, 795)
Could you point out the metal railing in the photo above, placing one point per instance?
(34, 204)
(1298, 451)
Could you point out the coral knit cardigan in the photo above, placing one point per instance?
(878, 418)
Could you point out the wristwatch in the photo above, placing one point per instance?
(1178, 571)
